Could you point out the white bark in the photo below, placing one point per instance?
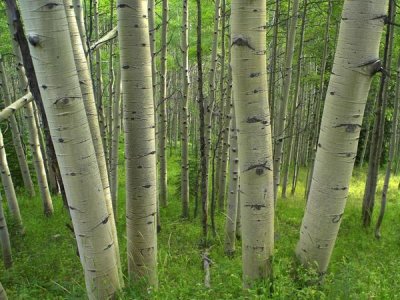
(250, 94)
(140, 154)
(5, 238)
(50, 45)
(356, 61)
(15, 106)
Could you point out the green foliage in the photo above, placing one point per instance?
(46, 265)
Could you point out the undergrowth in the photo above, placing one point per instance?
(46, 265)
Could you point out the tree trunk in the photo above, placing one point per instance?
(249, 64)
(89, 102)
(3, 294)
(281, 120)
(355, 63)
(8, 186)
(184, 112)
(72, 141)
(5, 238)
(163, 121)
(16, 136)
(232, 208)
(140, 163)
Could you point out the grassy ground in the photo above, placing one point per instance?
(46, 265)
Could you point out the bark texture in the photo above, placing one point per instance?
(356, 61)
(250, 94)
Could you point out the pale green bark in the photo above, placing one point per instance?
(140, 154)
(356, 61)
(50, 45)
(250, 94)
(80, 20)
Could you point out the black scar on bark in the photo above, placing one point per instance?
(349, 127)
(255, 206)
(337, 218)
(242, 42)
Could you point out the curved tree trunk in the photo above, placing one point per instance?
(356, 61)
(140, 163)
(249, 64)
(72, 140)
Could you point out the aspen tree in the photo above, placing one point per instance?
(356, 61)
(33, 131)
(232, 207)
(250, 94)
(89, 102)
(140, 155)
(8, 186)
(80, 20)
(184, 110)
(281, 118)
(5, 238)
(162, 110)
(50, 45)
(16, 136)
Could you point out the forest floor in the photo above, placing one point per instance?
(46, 265)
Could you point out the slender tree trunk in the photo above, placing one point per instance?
(89, 102)
(356, 61)
(5, 238)
(140, 163)
(8, 186)
(163, 121)
(292, 124)
(80, 20)
(115, 143)
(249, 64)
(281, 120)
(184, 111)
(202, 129)
(379, 127)
(232, 208)
(392, 147)
(16, 136)
(72, 140)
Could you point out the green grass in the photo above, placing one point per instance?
(46, 265)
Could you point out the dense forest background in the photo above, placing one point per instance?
(197, 257)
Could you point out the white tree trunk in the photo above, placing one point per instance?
(5, 238)
(249, 64)
(50, 45)
(140, 154)
(356, 61)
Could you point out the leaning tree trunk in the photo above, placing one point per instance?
(355, 63)
(16, 135)
(8, 186)
(250, 94)
(140, 163)
(184, 112)
(89, 102)
(70, 131)
(5, 238)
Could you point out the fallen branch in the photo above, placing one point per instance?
(12, 108)
(207, 262)
(112, 34)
